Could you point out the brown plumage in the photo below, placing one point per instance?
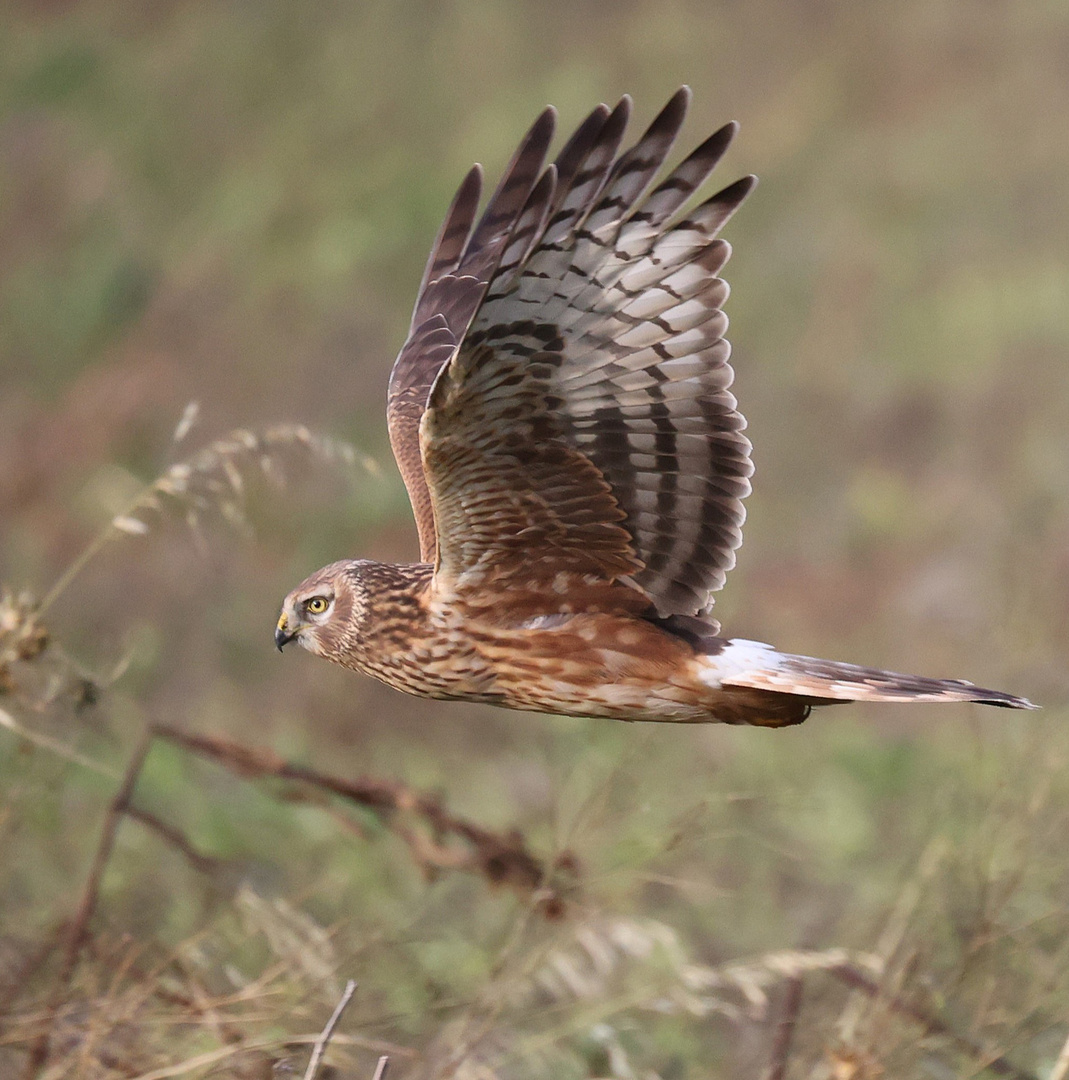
(561, 417)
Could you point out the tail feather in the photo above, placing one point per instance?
(756, 666)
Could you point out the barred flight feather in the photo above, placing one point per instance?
(607, 319)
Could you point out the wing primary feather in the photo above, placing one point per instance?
(528, 228)
(583, 168)
(509, 198)
(635, 169)
(689, 175)
(717, 210)
(575, 151)
(453, 236)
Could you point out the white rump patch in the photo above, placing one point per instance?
(738, 657)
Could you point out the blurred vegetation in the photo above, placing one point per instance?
(231, 204)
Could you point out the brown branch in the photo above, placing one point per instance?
(502, 858)
(78, 928)
(932, 1024)
(207, 864)
(781, 1045)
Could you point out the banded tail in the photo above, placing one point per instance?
(780, 678)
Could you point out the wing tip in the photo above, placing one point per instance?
(618, 119)
(678, 104)
(1003, 701)
(738, 190)
(547, 116)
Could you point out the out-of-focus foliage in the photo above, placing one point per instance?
(231, 203)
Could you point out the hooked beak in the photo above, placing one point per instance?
(283, 636)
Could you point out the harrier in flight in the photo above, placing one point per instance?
(561, 417)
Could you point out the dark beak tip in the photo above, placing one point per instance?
(282, 638)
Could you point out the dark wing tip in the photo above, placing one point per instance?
(474, 175)
(733, 196)
(714, 147)
(740, 188)
(1004, 701)
(543, 127)
(675, 109)
(453, 235)
(618, 119)
(666, 124)
(571, 155)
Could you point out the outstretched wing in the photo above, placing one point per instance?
(585, 423)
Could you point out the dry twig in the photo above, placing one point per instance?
(78, 928)
(216, 1057)
(324, 1039)
(209, 478)
(501, 858)
(55, 746)
(207, 864)
(781, 1045)
(932, 1024)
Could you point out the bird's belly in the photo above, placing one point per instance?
(590, 665)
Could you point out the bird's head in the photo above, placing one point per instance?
(320, 614)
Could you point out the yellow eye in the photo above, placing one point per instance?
(317, 605)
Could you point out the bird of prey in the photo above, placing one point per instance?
(562, 419)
